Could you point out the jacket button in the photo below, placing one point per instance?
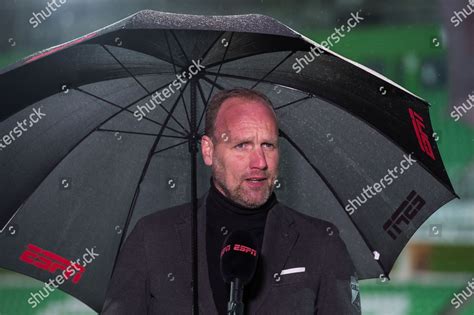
(276, 276)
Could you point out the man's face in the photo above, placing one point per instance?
(244, 153)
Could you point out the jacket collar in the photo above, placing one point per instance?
(278, 240)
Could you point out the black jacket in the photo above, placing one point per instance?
(153, 271)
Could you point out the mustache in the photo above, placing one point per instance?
(273, 177)
(256, 175)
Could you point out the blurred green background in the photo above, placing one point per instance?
(414, 43)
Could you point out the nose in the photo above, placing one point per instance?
(258, 159)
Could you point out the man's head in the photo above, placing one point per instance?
(241, 145)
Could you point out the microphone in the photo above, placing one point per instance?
(238, 262)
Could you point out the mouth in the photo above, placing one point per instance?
(256, 182)
(256, 179)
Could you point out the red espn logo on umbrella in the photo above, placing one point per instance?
(49, 261)
(421, 135)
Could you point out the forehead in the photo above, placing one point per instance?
(245, 114)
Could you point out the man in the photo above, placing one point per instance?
(303, 268)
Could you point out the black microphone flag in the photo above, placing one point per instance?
(239, 257)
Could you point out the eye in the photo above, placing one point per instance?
(269, 145)
(240, 145)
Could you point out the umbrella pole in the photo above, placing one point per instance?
(193, 150)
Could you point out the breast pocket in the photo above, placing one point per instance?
(294, 275)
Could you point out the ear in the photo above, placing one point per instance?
(207, 149)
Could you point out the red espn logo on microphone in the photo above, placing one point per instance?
(239, 248)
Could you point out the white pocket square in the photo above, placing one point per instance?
(292, 270)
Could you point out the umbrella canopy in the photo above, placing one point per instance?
(100, 131)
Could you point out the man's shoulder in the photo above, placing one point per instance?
(167, 217)
(308, 223)
(172, 214)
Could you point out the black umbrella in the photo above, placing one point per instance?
(100, 131)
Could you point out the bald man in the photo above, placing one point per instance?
(302, 269)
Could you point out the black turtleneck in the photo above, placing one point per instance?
(225, 216)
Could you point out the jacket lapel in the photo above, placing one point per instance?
(279, 238)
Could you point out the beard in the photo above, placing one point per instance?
(239, 194)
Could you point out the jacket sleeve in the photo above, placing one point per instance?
(128, 290)
(339, 288)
